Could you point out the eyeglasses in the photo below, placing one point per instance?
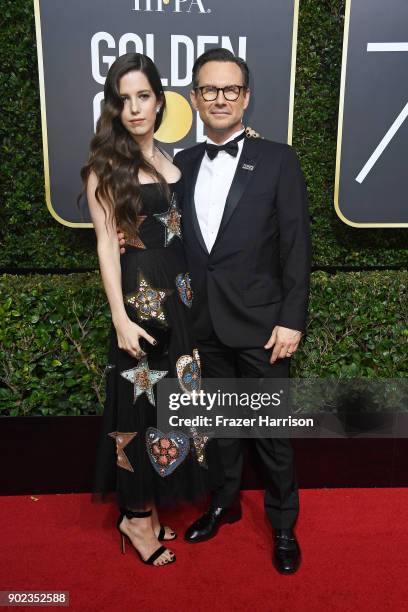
(230, 92)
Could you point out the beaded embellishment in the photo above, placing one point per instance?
(199, 443)
(188, 370)
(148, 301)
(183, 284)
(171, 221)
(108, 368)
(136, 240)
(166, 451)
(143, 379)
(251, 133)
(122, 439)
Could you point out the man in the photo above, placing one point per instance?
(248, 250)
(246, 236)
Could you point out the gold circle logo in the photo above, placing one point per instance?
(178, 119)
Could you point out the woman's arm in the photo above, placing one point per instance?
(128, 332)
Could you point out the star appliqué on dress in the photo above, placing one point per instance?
(171, 221)
(148, 301)
(143, 379)
(122, 439)
(136, 240)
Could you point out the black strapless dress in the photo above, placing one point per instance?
(135, 460)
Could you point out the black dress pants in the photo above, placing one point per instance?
(281, 493)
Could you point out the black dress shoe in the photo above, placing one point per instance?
(207, 526)
(286, 555)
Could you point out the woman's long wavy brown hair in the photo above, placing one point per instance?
(115, 156)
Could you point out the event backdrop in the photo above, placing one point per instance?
(371, 173)
(55, 318)
(77, 42)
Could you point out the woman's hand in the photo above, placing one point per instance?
(129, 335)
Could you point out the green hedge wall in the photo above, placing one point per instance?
(32, 238)
(54, 337)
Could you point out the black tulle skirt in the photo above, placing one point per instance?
(136, 462)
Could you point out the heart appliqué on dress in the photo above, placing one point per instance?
(166, 451)
(189, 372)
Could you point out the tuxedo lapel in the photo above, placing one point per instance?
(243, 174)
(190, 209)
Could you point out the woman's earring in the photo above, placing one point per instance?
(158, 109)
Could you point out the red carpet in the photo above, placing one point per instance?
(354, 542)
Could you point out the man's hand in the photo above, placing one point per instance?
(285, 342)
(121, 239)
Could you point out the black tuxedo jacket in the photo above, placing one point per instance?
(257, 273)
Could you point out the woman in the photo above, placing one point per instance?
(132, 184)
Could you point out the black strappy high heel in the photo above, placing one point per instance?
(162, 533)
(156, 554)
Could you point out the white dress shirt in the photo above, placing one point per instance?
(213, 184)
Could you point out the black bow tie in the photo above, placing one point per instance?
(230, 147)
